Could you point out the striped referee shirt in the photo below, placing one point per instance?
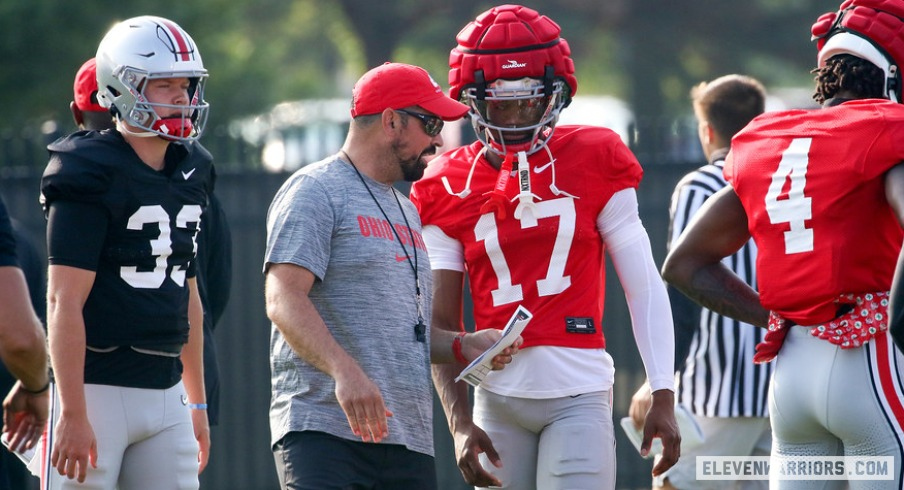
(718, 378)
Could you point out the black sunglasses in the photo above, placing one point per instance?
(432, 124)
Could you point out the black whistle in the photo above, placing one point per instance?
(420, 332)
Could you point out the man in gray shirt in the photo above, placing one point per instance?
(348, 289)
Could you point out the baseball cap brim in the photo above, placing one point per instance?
(445, 108)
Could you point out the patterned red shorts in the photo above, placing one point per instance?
(866, 318)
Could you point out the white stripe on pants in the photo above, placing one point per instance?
(828, 401)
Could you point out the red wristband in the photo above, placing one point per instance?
(456, 348)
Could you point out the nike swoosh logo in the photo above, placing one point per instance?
(399, 258)
(540, 169)
(184, 399)
(186, 175)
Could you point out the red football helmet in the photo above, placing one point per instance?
(869, 29)
(516, 73)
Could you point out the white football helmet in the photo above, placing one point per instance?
(144, 48)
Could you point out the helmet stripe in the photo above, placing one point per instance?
(183, 52)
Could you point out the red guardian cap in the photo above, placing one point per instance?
(509, 42)
(869, 29)
(396, 86)
(85, 88)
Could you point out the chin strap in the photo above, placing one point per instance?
(552, 165)
(123, 128)
(467, 190)
(496, 202)
(526, 209)
(163, 127)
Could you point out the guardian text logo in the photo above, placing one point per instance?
(513, 64)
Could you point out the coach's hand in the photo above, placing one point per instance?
(660, 422)
(362, 402)
(74, 447)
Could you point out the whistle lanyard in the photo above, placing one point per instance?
(420, 328)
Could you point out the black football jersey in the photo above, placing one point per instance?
(149, 222)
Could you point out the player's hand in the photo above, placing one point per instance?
(475, 343)
(74, 448)
(24, 417)
(202, 434)
(470, 441)
(363, 405)
(660, 422)
(640, 405)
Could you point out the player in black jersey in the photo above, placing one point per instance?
(124, 317)
(214, 257)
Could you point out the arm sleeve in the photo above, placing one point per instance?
(651, 317)
(445, 251)
(70, 244)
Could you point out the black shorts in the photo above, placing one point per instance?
(312, 460)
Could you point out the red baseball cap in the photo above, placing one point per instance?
(85, 86)
(396, 86)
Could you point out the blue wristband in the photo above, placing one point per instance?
(197, 406)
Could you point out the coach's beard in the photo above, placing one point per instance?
(413, 169)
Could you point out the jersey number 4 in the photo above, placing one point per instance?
(555, 281)
(785, 200)
(161, 247)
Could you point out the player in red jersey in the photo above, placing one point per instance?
(822, 194)
(528, 212)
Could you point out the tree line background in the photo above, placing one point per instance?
(259, 53)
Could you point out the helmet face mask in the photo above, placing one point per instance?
(146, 48)
(515, 115)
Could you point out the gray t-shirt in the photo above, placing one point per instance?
(324, 219)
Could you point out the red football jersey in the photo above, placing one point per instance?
(813, 188)
(553, 265)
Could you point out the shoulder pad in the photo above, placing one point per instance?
(81, 166)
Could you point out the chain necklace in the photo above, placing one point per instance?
(420, 328)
